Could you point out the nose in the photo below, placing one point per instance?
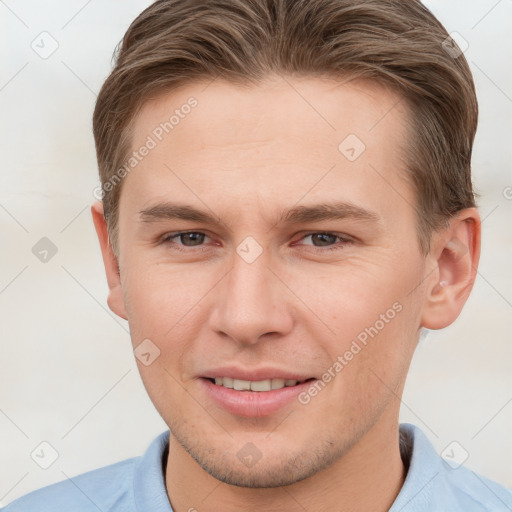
(251, 302)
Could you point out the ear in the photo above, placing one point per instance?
(456, 253)
(115, 298)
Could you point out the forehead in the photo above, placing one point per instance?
(279, 140)
(244, 113)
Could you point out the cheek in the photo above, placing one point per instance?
(159, 297)
(372, 319)
(353, 295)
(167, 307)
(368, 376)
(378, 371)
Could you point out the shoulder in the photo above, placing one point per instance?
(100, 489)
(474, 492)
(434, 483)
(117, 487)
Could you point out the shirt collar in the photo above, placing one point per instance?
(149, 490)
(425, 468)
(430, 483)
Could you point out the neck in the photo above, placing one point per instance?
(368, 477)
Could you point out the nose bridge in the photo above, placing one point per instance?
(250, 302)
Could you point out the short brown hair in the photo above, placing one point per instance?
(398, 43)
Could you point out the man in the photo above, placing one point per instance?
(286, 204)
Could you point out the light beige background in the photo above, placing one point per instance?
(67, 371)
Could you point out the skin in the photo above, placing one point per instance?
(245, 155)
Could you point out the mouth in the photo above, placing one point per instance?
(253, 398)
(256, 385)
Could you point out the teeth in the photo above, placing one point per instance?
(261, 385)
(258, 385)
(241, 385)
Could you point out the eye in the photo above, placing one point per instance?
(325, 241)
(184, 239)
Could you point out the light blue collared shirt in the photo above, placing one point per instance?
(138, 485)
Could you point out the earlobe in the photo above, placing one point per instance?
(458, 252)
(115, 298)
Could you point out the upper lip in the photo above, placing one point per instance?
(254, 374)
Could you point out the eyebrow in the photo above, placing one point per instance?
(295, 215)
(328, 211)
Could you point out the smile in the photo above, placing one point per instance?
(254, 385)
(252, 398)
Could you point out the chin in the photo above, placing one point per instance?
(251, 467)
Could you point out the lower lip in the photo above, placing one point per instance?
(253, 404)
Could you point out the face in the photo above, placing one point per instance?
(269, 239)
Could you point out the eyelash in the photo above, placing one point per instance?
(343, 240)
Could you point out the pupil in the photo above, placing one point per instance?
(186, 237)
(325, 236)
